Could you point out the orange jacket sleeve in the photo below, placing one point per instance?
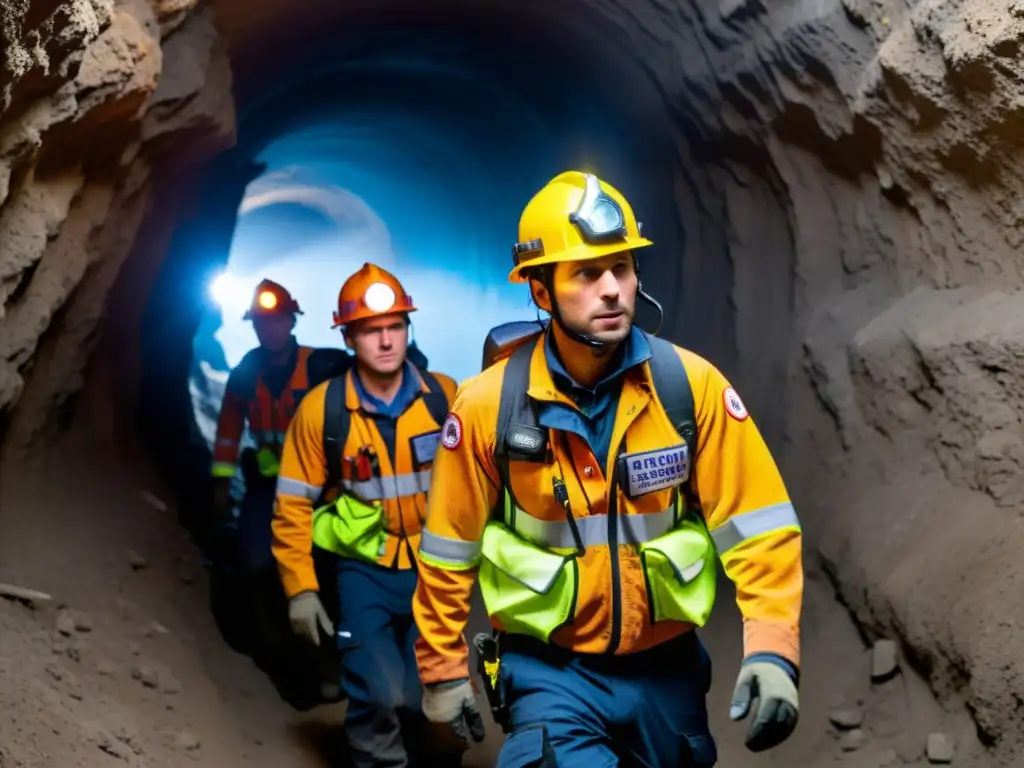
(234, 410)
(299, 483)
(749, 513)
(463, 490)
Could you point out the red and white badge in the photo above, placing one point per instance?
(733, 405)
(451, 432)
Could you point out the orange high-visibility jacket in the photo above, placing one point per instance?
(304, 472)
(246, 396)
(742, 496)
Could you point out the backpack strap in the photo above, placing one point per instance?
(336, 425)
(672, 387)
(435, 400)
(518, 435)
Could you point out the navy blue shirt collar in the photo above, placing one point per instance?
(635, 350)
(407, 393)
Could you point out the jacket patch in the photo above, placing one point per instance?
(655, 470)
(733, 405)
(451, 432)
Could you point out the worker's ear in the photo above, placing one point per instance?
(348, 340)
(541, 296)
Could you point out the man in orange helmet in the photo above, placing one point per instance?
(589, 481)
(264, 389)
(354, 477)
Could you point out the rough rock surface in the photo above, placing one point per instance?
(94, 94)
(863, 154)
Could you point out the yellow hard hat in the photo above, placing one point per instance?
(575, 217)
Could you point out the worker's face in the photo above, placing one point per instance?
(379, 343)
(273, 331)
(596, 298)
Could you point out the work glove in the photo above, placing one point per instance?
(778, 706)
(453, 703)
(306, 612)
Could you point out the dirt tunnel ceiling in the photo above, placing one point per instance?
(835, 190)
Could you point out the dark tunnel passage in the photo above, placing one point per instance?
(442, 129)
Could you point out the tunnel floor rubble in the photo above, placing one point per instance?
(123, 664)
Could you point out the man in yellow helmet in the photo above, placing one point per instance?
(587, 481)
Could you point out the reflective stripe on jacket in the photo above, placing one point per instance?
(400, 490)
(741, 495)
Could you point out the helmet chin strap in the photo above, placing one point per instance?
(598, 347)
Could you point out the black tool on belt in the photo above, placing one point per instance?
(488, 666)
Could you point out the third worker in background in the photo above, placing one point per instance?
(263, 390)
(588, 480)
(354, 477)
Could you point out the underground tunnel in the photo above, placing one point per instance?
(833, 190)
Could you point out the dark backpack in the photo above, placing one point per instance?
(519, 435)
(337, 420)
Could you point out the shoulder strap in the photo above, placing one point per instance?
(435, 400)
(336, 426)
(672, 386)
(516, 414)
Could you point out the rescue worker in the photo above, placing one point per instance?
(566, 485)
(354, 478)
(264, 390)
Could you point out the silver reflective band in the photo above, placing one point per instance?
(380, 488)
(451, 551)
(598, 217)
(630, 529)
(227, 442)
(741, 528)
(288, 487)
(270, 437)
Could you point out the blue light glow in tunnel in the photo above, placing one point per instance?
(417, 153)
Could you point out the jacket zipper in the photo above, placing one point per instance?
(613, 551)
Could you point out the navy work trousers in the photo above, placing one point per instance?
(254, 532)
(643, 709)
(376, 633)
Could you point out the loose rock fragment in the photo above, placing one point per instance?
(135, 560)
(853, 740)
(146, 675)
(939, 749)
(65, 624)
(105, 668)
(884, 660)
(187, 741)
(30, 596)
(846, 719)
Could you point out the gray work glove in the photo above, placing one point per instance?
(453, 703)
(778, 707)
(305, 611)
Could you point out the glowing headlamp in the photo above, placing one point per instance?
(379, 297)
(598, 218)
(267, 299)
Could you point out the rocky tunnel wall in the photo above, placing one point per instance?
(847, 177)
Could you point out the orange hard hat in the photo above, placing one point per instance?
(371, 292)
(270, 298)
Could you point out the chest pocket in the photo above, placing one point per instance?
(424, 447)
